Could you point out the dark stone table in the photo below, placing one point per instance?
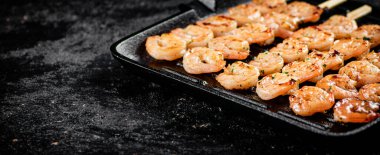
(61, 92)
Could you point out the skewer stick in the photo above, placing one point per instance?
(359, 12)
(331, 4)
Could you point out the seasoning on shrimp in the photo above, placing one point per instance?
(339, 85)
(201, 60)
(315, 38)
(231, 46)
(328, 60)
(291, 50)
(165, 47)
(353, 110)
(369, 32)
(239, 75)
(351, 47)
(195, 36)
(274, 85)
(220, 24)
(341, 26)
(370, 92)
(255, 33)
(302, 70)
(268, 63)
(361, 71)
(310, 100)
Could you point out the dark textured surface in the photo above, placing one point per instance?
(62, 92)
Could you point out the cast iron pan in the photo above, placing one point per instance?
(130, 51)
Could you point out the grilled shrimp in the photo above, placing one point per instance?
(274, 85)
(239, 75)
(165, 47)
(328, 60)
(231, 46)
(370, 92)
(268, 63)
(291, 50)
(283, 24)
(195, 36)
(351, 47)
(270, 4)
(245, 13)
(302, 10)
(368, 32)
(372, 57)
(310, 100)
(339, 85)
(315, 38)
(361, 71)
(353, 110)
(219, 24)
(340, 25)
(200, 60)
(302, 70)
(255, 33)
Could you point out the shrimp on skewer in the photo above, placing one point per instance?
(310, 100)
(274, 85)
(328, 60)
(231, 46)
(268, 63)
(302, 10)
(245, 13)
(315, 38)
(201, 60)
(353, 110)
(282, 24)
(239, 75)
(370, 92)
(195, 36)
(291, 50)
(165, 47)
(351, 47)
(368, 32)
(372, 57)
(255, 33)
(302, 70)
(220, 24)
(339, 85)
(361, 71)
(341, 26)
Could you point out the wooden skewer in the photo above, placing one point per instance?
(331, 4)
(359, 12)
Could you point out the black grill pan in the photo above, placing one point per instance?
(130, 51)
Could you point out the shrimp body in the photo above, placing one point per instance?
(302, 10)
(372, 57)
(368, 32)
(340, 25)
(315, 38)
(274, 85)
(255, 33)
(328, 60)
(351, 47)
(310, 100)
(353, 110)
(268, 63)
(231, 46)
(220, 24)
(370, 92)
(302, 70)
(195, 36)
(291, 50)
(245, 13)
(339, 85)
(200, 60)
(239, 75)
(165, 47)
(283, 24)
(361, 71)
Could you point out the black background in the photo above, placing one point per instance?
(62, 92)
